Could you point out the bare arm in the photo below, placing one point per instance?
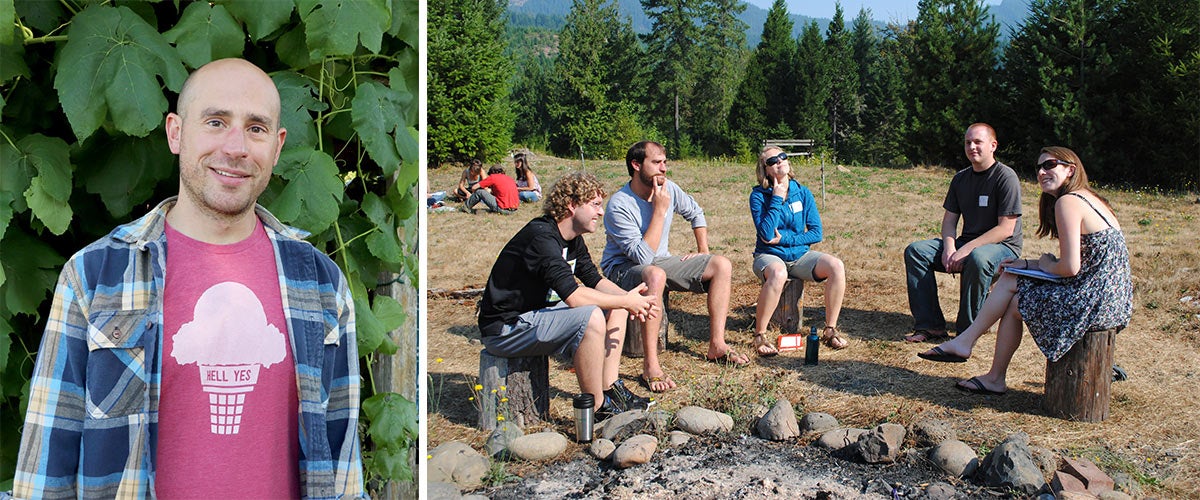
(1068, 215)
(661, 199)
(613, 297)
(1005, 225)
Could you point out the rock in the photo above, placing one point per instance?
(539, 446)
(1064, 484)
(1094, 480)
(658, 420)
(437, 490)
(818, 422)
(622, 425)
(501, 437)
(475, 497)
(602, 448)
(1011, 465)
(779, 423)
(955, 458)
(1115, 495)
(678, 438)
(881, 445)
(634, 451)
(841, 438)
(878, 487)
(1046, 460)
(931, 432)
(940, 491)
(1127, 484)
(457, 463)
(697, 420)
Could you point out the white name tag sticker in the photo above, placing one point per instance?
(983, 200)
(797, 206)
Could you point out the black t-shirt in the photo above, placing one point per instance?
(981, 198)
(535, 270)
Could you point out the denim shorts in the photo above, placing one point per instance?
(554, 331)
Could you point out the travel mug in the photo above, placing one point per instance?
(811, 345)
(584, 417)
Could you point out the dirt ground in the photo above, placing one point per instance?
(869, 216)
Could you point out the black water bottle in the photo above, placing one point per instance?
(811, 345)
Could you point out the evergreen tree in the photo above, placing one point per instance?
(761, 110)
(885, 116)
(699, 53)
(952, 55)
(1150, 107)
(469, 80)
(812, 86)
(1052, 66)
(843, 104)
(593, 97)
(530, 107)
(864, 51)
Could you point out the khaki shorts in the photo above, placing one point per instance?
(801, 268)
(682, 275)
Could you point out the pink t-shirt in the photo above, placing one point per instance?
(228, 408)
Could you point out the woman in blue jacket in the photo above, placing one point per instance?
(786, 222)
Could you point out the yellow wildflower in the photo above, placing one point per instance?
(499, 418)
(478, 387)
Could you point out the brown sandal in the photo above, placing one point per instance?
(760, 341)
(832, 339)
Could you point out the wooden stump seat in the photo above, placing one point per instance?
(526, 384)
(788, 315)
(1078, 384)
(634, 347)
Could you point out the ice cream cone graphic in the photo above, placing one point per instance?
(227, 386)
(230, 340)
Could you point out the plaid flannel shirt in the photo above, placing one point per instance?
(91, 426)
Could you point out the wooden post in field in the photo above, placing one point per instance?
(1078, 384)
(525, 382)
(791, 303)
(634, 345)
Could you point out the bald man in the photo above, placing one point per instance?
(204, 349)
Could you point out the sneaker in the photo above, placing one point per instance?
(607, 409)
(465, 210)
(625, 399)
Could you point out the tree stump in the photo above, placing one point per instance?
(526, 384)
(788, 315)
(1078, 385)
(634, 347)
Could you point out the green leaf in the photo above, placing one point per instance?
(406, 142)
(389, 312)
(371, 333)
(292, 49)
(406, 21)
(5, 344)
(6, 215)
(382, 241)
(13, 63)
(206, 33)
(393, 420)
(262, 17)
(49, 190)
(32, 269)
(390, 464)
(334, 27)
(298, 97)
(8, 17)
(110, 66)
(15, 175)
(376, 113)
(126, 170)
(310, 198)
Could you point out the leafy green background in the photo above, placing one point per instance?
(84, 88)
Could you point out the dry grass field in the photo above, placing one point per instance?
(869, 216)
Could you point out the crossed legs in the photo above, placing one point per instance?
(1000, 305)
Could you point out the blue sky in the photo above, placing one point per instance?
(882, 10)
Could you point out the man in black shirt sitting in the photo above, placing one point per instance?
(533, 305)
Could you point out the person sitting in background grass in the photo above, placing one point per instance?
(528, 187)
(498, 192)
(533, 306)
(786, 222)
(1094, 294)
(471, 176)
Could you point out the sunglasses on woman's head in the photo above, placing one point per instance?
(774, 160)
(1051, 163)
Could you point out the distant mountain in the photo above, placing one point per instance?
(551, 14)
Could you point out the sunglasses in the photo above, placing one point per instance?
(1051, 163)
(774, 160)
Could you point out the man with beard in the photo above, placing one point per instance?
(533, 306)
(637, 223)
(204, 349)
